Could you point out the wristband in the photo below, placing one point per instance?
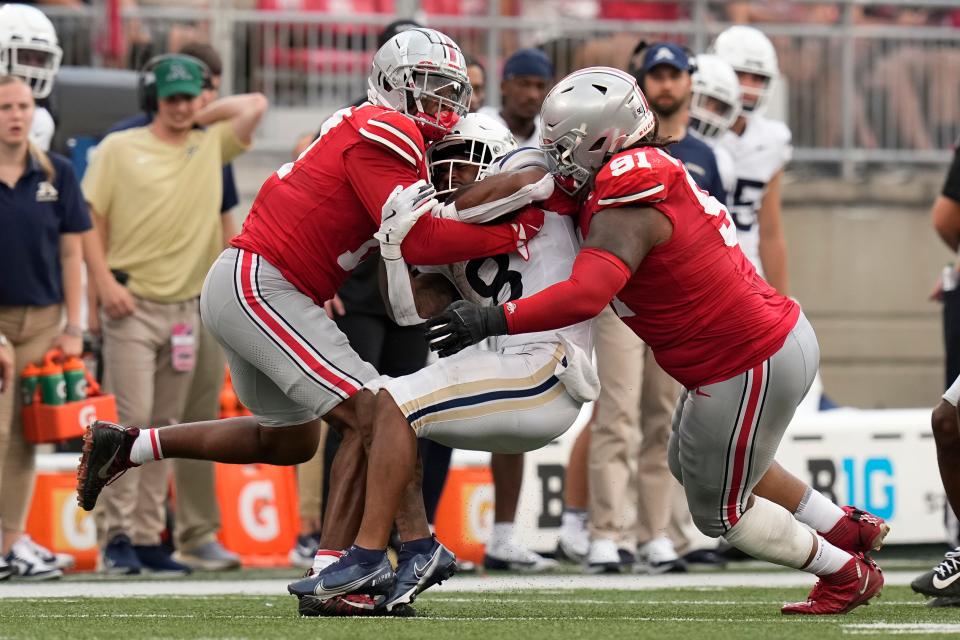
(73, 330)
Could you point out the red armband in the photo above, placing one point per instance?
(596, 278)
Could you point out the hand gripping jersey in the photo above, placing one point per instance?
(314, 219)
(758, 154)
(695, 299)
(502, 278)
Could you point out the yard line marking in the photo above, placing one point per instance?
(900, 628)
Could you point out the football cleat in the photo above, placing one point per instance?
(417, 574)
(841, 592)
(346, 577)
(5, 569)
(857, 532)
(349, 606)
(943, 581)
(27, 565)
(104, 458)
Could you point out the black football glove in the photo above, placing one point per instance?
(462, 324)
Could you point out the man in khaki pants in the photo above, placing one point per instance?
(155, 193)
(628, 466)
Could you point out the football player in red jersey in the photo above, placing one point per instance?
(312, 222)
(665, 254)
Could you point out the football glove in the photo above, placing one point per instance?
(462, 324)
(400, 212)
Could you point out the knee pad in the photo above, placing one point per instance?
(769, 532)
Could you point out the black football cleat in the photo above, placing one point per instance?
(419, 573)
(345, 577)
(104, 458)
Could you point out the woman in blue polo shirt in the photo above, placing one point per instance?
(42, 217)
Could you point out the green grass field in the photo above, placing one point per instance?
(531, 615)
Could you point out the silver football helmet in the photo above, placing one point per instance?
(589, 116)
(476, 140)
(715, 97)
(748, 50)
(29, 47)
(422, 74)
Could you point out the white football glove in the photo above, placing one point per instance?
(400, 212)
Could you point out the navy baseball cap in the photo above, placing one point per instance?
(665, 53)
(528, 62)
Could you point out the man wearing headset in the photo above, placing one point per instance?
(156, 195)
(198, 514)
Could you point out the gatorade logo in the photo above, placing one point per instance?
(87, 415)
(479, 508)
(258, 511)
(78, 527)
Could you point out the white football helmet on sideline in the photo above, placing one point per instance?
(589, 116)
(422, 74)
(29, 47)
(475, 140)
(748, 50)
(715, 97)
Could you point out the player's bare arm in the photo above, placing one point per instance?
(629, 233)
(946, 220)
(773, 246)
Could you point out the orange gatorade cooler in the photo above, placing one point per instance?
(465, 513)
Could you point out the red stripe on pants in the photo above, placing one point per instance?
(280, 332)
(740, 453)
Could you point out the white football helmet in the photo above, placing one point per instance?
(29, 47)
(748, 50)
(715, 97)
(422, 74)
(476, 140)
(589, 116)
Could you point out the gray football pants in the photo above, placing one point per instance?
(725, 435)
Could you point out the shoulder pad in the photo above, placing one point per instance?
(398, 133)
(635, 176)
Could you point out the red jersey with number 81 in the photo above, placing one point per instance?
(695, 299)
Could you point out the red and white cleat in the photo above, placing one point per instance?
(858, 532)
(843, 591)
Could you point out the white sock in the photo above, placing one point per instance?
(828, 559)
(573, 520)
(502, 534)
(817, 512)
(146, 448)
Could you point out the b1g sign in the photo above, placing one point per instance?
(883, 461)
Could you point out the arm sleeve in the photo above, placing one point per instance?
(596, 278)
(97, 182)
(441, 241)
(951, 187)
(75, 216)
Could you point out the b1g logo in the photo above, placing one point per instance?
(869, 483)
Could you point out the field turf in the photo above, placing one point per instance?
(707, 612)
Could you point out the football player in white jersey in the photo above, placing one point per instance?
(714, 108)
(760, 148)
(518, 396)
(29, 49)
